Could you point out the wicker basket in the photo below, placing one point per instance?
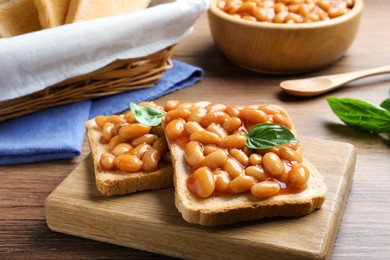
(117, 77)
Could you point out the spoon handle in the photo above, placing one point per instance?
(343, 78)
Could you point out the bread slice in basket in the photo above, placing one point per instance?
(52, 13)
(111, 180)
(18, 17)
(238, 205)
(83, 10)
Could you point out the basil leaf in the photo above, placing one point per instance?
(361, 115)
(386, 104)
(264, 136)
(147, 115)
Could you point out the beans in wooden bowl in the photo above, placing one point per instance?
(284, 36)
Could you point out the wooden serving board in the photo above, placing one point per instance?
(149, 220)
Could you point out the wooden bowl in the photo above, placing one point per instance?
(283, 48)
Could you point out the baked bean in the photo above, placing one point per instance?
(177, 113)
(114, 141)
(128, 163)
(139, 150)
(247, 151)
(171, 104)
(217, 129)
(193, 153)
(293, 8)
(299, 175)
(260, 14)
(197, 113)
(150, 160)
(254, 116)
(186, 105)
(293, 146)
(215, 107)
(191, 127)
(280, 7)
(304, 10)
(336, 12)
(214, 117)
(100, 121)
(210, 149)
(147, 104)
(257, 172)
(272, 164)
(240, 156)
(107, 161)
(233, 168)
(280, 17)
(247, 7)
(241, 184)
(205, 137)
(121, 148)
(323, 4)
(232, 111)
(144, 139)
(222, 180)
(287, 168)
(160, 145)
(133, 130)
(255, 159)
(282, 120)
(116, 119)
(130, 117)
(269, 109)
(215, 160)
(265, 189)
(233, 141)
(289, 154)
(201, 183)
(174, 129)
(240, 131)
(108, 131)
(232, 124)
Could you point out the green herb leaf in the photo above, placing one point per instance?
(147, 115)
(361, 115)
(263, 136)
(386, 104)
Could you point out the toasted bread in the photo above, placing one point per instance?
(116, 182)
(83, 10)
(232, 208)
(18, 17)
(52, 13)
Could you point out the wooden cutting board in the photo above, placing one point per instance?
(149, 220)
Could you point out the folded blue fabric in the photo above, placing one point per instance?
(58, 132)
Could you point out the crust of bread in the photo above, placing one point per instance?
(18, 17)
(52, 13)
(116, 182)
(243, 207)
(83, 10)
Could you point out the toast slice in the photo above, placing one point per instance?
(117, 182)
(83, 10)
(18, 17)
(232, 208)
(52, 13)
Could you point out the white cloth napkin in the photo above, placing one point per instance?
(34, 61)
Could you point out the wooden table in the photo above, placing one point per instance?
(364, 231)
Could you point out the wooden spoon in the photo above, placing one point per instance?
(321, 84)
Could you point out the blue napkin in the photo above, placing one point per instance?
(58, 132)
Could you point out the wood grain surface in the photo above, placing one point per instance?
(364, 229)
(149, 220)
